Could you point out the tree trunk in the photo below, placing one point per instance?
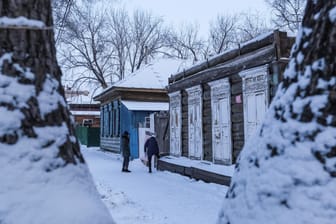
(43, 175)
(33, 50)
(288, 169)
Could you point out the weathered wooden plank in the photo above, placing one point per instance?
(238, 145)
(237, 88)
(163, 165)
(204, 65)
(224, 57)
(255, 45)
(195, 173)
(262, 57)
(236, 127)
(237, 108)
(238, 136)
(235, 78)
(210, 177)
(237, 117)
(285, 45)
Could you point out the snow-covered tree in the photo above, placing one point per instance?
(44, 178)
(286, 173)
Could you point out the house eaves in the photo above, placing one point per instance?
(115, 92)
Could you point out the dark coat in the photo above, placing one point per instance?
(151, 147)
(125, 147)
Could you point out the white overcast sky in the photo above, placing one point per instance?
(176, 12)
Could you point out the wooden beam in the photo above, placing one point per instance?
(224, 57)
(253, 59)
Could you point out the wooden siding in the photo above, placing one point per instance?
(237, 116)
(207, 123)
(110, 143)
(162, 131)
(194, 173)
(272, 50)
(185, 126)
(265, 56)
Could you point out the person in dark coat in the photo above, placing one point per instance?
(151, 148)
(126, 152)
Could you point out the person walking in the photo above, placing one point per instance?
(151, 148)
(126, 152)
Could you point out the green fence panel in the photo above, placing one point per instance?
(93, 137)
(88, 136)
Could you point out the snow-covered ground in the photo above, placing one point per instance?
(153, 198)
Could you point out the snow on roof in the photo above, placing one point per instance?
(154, 75)
(257, 38)
(145, 106)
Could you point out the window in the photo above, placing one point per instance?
(87, 122)
(115, 117)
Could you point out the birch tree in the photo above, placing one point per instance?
(287, 171)
(44, 178)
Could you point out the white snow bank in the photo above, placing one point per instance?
(279, 178)
(36, 186)
(31, 193)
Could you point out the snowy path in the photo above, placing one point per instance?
(158, 198)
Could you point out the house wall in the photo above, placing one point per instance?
(161, 126)
(185, 126)
(110, 132)
(271, 51)
(237, 119)
(79, 120)
(207, 123)
(237, 115)
(129, 121)
(85, 108)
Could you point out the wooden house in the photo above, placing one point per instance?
(84, 111)
(127, 105)
(217, 104)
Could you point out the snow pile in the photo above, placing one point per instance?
(36, 185)
(32, 191)
(286, 172)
